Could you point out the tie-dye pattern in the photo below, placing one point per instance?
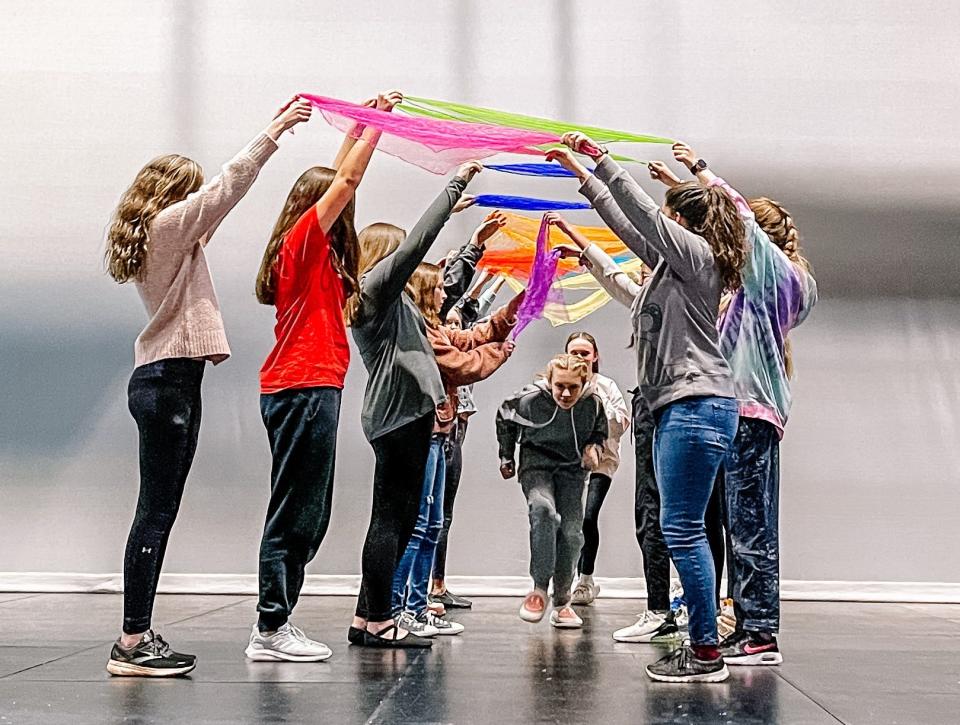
(775, 297)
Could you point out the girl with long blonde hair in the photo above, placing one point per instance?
(156, 240)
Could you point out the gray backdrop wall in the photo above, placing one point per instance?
(845, 112)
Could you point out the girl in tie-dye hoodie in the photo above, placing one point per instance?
(777, 294)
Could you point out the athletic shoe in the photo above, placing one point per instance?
(651, 627)
(682, 665)
(436, 607)
(528, 614)
(565, 618)
(585, 592)
(409, 622)
(450, 600)
(750, 648)
(287, 644)
(150, 657)
(444, 627)
(727, 619)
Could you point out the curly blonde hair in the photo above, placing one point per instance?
(565, 361)
(162, 182)
(778, 224)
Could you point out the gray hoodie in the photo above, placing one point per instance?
(675, 315)
(550, 437)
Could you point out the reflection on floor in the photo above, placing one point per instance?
(848, 663)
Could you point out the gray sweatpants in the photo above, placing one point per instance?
(555, 505)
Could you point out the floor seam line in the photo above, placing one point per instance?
(808, 696)
(393, 690)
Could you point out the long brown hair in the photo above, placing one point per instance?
(589, 338)
(778, 224)
(713, 215)
(421, 287)
(376, 241)
(164, 181)
(307, 191)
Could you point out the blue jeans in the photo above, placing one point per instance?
(689, 445)
(411, 579)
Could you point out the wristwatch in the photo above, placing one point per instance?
(698, 167)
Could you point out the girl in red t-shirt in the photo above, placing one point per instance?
(309, 270)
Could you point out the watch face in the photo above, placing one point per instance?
(701, 164)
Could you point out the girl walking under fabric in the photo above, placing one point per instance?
(695, 247)
(156, 239)
(464, 357)
(561, 426)
(309, 270)
(584, 346)
(403, 390)
(777, 294)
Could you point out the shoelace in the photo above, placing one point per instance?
(157, 646)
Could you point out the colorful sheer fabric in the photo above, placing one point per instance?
(436, 145)
(511, 250)
(530, 169)
(540, 282)
(526, 203)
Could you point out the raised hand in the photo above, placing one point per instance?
(508, 346)
(582, 144)
(490, 226)
(469, 170)
(388, 99)
(513, 306)
(659, 171)
(464, 202)
(568, 252)
(684, 154)
(294, 111)
(564, 157)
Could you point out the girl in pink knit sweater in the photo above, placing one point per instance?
(156, 239)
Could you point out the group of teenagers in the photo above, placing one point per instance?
(723, 284)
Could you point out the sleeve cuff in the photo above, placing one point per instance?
(260, 149)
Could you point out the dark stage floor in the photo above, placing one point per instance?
(851, 663)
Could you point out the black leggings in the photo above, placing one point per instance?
(397, 485)
(164, 399)
(596, 493)
(451, 484)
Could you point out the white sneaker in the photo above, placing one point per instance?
(585, 592)
(409, 622)
(444, 627)
(565, 618)
(651, 627)
(286, 644)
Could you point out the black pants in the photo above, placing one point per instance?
(451, 484)
(656, 557)
(302, 428)
(597, 491)
(164, 399)
(397, 485)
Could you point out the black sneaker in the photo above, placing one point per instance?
(451, 601)
(751, 648)
(682, 665)
(152, 657)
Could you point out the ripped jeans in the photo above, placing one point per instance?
(411, 580)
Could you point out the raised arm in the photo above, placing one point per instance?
(459, 271)
(385, 282)
(352, 167)
(682, 250)
(198, 216)
(614, 280)
(496, 329)
(465, 367)
(602, 201)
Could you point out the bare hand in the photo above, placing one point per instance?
(660, 172)
(508, 469)
(469, 170)
(564, 157)
(556, 219)
(387, 100)
(568, 252)
(464, 202)
(508, 347)
(684, 154)
(513, 306)
(591, 457)
(296, 111)
(490, 226)
(582, 144)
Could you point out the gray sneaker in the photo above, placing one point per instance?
(445, 628)
(287, 644)
(409, 622)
